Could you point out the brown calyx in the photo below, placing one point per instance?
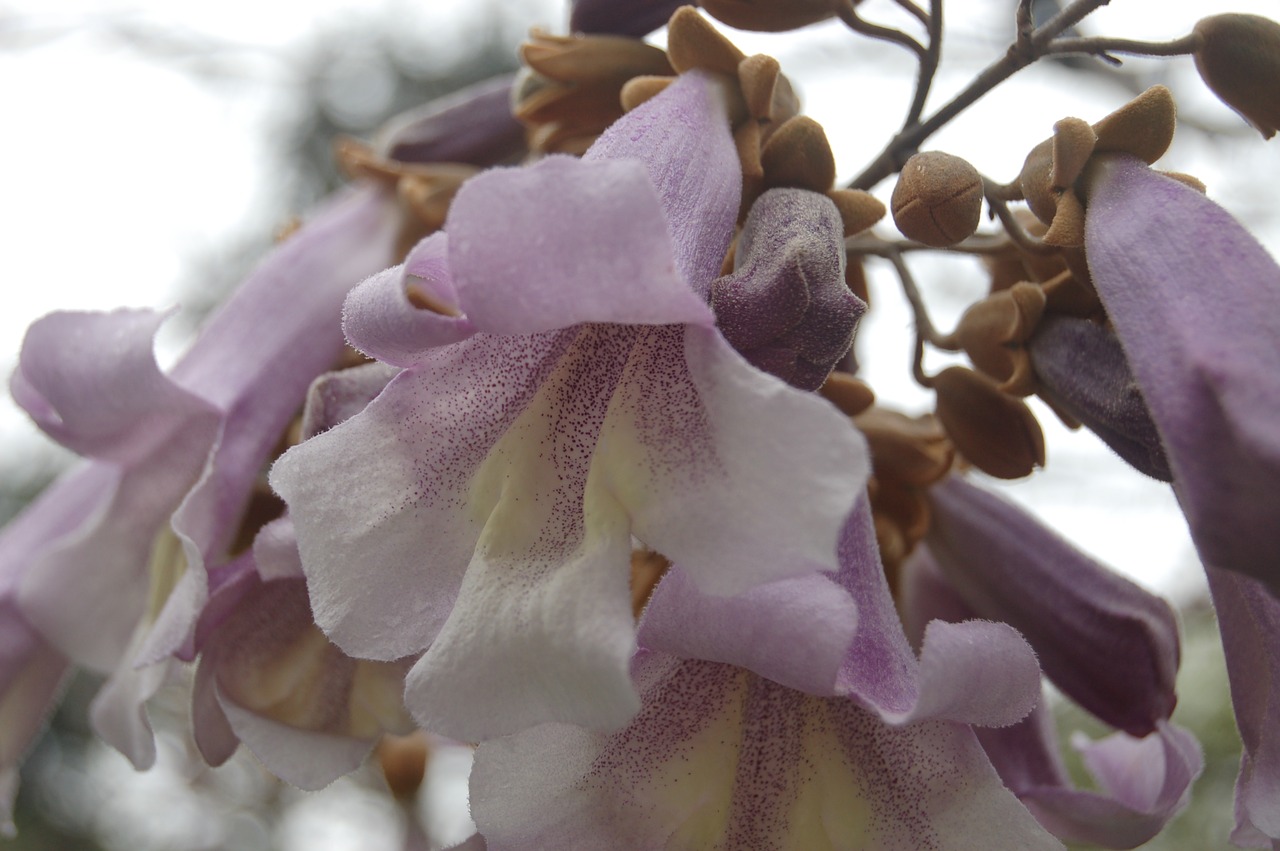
(1143, 128)
(424, 190)
(570, 89)
(908, 454)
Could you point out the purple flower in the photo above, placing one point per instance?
(567, 392)
(1083, 371)
(800, 731)
(1106, 643)
(181, 450)
(621, 17)
(1194, 300)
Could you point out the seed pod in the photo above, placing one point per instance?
(1239, 60)
(997, 433)
(938, 199)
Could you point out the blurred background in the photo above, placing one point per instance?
(154, 149)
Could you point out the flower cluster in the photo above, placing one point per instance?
(568, 460)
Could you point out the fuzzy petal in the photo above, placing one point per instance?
(255, 360)
(722, 759)
(1108, 644)
(882, 673)
(793, 631)
(1249, 619)
(392, 487)
(706, 477)
(1193, 298)
(682, 138)
(1143, 783)
(608, 259)
(380, 320)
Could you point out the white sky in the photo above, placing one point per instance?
(120, 169)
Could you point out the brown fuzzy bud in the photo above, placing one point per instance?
(770, 15)
(692, 42)
(798, 156)
(992, 332)
(938, 199)
(847, 393)
(1239, 60)
(997, 433)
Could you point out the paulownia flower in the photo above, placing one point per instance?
(1106, 643)
(1249, 620)
(799, 733)
(183, 449)
(566, 392)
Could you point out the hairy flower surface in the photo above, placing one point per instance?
(567, 391)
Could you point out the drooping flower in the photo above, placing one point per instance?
(1087, 643)
(768, 722)
(566, 392)
(181, 450)
(1193, 298)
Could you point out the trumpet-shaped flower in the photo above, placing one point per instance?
(1143, 781)
(567, 392)
(182, 449)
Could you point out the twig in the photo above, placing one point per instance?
(928, 63)
(919, 14)
(850, 16)
(1019, 55)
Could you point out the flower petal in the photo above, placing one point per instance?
(708, 477)
(682, 137)
(1193, 298)
(380, 320)
(1249, 619)
(793, 631)
(607, 259)
(882, 673)
(393, 487)
(254, 361)
(1143, 783)
(722, 759)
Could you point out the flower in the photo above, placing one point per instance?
(767, 721)
(566, 391)
(183, 449)
(1193, 297)
(1106, 643)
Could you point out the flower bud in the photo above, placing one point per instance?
(1083, 370)
(770, 15)
(621, 17)
(785, 307)
(1239, 60)
(938, 199)
(798, 155)
(997, 433)
(473, 126)
(992, 332)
